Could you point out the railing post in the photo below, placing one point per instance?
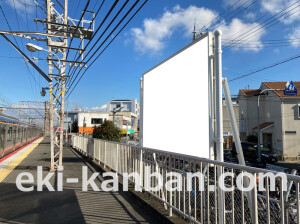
(254, 203)
(141, 168)
(104, 156)
(170, 193)
(117, 159)
(282, 204)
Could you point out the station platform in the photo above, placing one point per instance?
(72, 205)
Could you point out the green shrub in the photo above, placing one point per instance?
(252, 138)
(107, 131)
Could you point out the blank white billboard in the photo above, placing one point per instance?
(175, 111)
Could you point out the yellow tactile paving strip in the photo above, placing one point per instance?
(13, 164)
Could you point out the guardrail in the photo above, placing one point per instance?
(209, 205)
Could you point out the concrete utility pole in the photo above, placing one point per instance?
(115, 110)
(83, 127)
(46, 120)
(58, 24)
(63, 87)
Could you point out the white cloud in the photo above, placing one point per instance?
(20, 6)
(152, 37)
(237, 4)
(291, 8)
(96, 109)
(250, 16)
(238, 34)
(155, 31)
(295, 35)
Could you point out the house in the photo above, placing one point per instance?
(227, 129)
(126, 105)
(279, 115)
(126, 121)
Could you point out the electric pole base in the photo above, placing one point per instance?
(52, 169)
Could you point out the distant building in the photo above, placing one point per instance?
(69, 118)
(88, 120)
(227, 130)
(126, 121)
(279, 117)
(127, 106)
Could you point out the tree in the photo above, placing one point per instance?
(252, 138)
(107, 131)
(74, 128)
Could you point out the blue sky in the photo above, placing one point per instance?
(159, 30)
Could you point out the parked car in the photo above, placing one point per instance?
(250, 151)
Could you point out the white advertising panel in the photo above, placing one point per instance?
(175, 111)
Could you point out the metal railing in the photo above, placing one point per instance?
(199, 206)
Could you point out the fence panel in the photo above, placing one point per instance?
(198, 198)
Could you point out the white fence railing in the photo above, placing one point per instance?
(199, 206)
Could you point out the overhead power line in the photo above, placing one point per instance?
(82, 15)
(265, 67)
(266, 24)
(9, 27)
(217, 18)
(69, 93)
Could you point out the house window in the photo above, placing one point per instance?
(96, 121)
(118, 105)
(290, 132)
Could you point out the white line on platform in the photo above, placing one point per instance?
(72, 180)
(7, 161)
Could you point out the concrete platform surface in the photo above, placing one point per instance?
(72, 205)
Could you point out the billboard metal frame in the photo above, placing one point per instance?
(212, 94)
(215, 84)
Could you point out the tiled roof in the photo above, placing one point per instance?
(264, 125)
(281, 85)
(272, 85)
(250, 92)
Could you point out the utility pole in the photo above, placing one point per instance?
(57, 24)
(83, 126)
(58, 28)
(46, 120)
(63, 87)
(50, 68)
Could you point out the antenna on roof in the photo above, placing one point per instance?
(195, 32)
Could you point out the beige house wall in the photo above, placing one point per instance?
(226, 119)
(291, 123)
(283, 112)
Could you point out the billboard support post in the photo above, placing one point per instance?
(219, 121)
(141, 113)
(211, 95)
(219, 114)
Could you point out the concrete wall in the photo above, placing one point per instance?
(226, 120)
(291, 123)
(87, 117)
(247, 115)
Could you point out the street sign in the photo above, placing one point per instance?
(290, 88)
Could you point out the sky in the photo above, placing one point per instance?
(262, 32)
